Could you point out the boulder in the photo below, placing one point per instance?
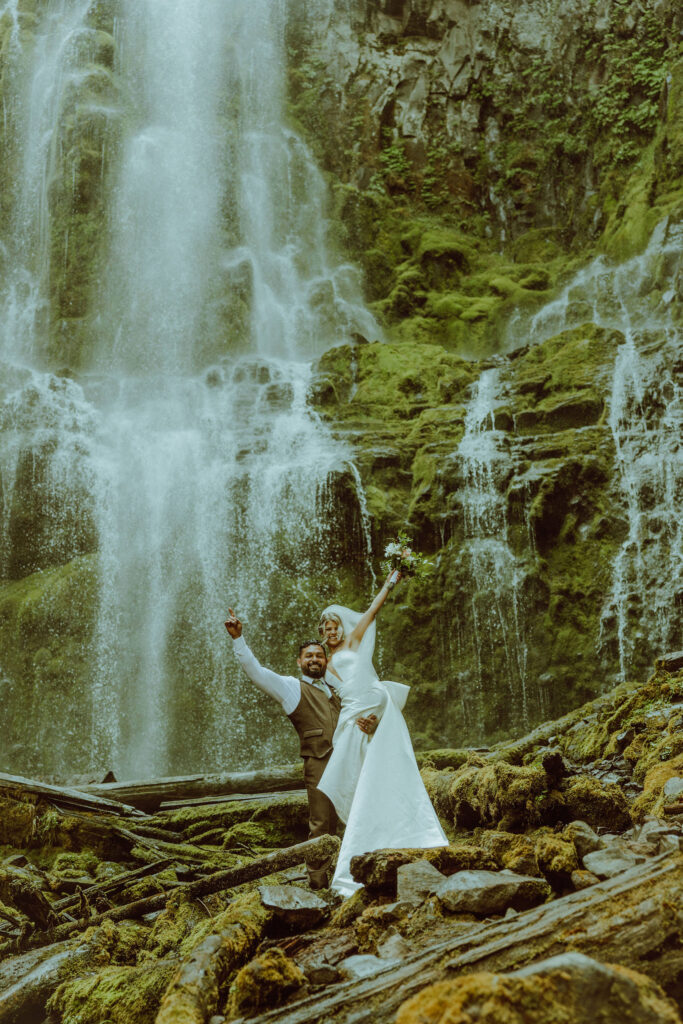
(416, 881)
(510, 850)
(265, 982)
(600, 805)
(491, 892)
(570, 987)
(611, 861)
(585, 839)
(378, 870)
(299, 908)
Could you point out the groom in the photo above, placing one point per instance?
(312, 707)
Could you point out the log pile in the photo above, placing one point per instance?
(201, 913)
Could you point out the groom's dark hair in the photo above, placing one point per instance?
(311, 643)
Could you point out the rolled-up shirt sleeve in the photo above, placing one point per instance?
(285, 689)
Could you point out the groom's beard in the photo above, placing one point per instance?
(315, 671)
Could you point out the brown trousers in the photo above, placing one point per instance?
(322, 819)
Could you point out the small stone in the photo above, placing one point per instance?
(583, 879)
(416, 881)
(673, 788)
(294, 906)
(362, 965)
(491, 892)
(585, 839)
(610, 862)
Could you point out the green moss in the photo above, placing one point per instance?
(114, 995)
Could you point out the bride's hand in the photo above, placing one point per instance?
(393, 578)
(368, 725)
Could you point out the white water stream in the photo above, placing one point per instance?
(185, 453)
(639, 298)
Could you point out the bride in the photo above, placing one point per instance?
(372, 777)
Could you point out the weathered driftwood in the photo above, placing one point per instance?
(149, 794)
(206, 801)
(633, 920)
(230, 878)
(66, 796)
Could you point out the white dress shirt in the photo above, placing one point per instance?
(285, 689)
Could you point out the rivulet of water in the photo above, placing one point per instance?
(493, 611)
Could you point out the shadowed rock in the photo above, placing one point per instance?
(491, 892)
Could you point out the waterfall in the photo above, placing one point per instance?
(638, 298)
(180, 463)
(492, 606)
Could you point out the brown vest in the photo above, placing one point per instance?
(315, 719)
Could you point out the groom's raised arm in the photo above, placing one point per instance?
(286, 690)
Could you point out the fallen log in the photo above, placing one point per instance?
(65, 796)
(633, 920)
(230, 878)
(195, 990)
(28, 981)
(149, 794)
(205, 801)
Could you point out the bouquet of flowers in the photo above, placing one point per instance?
(399, 557)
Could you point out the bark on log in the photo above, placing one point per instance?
(634, 919)
(279, 860)
(65, 796)
(149, 794)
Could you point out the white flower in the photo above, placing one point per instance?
(392, 549)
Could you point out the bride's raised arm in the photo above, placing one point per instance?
(368, 617)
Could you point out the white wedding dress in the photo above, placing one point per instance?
(373, 782)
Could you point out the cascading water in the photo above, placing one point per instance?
(182, 465)
(638, 298)
(492, 609)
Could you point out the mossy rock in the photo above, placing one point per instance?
(269, 980)
(602, 806)
(114, 995)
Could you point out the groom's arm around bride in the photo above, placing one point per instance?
(313, 709)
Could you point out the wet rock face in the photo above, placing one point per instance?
(441, 95)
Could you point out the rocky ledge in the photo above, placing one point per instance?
(558, 898)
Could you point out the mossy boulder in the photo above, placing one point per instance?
(377, 870)
(269, 980)
(508, 797)
(113, 995)
(601, 805)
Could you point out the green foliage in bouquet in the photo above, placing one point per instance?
(398, 555)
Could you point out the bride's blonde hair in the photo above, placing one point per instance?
(331, 617)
